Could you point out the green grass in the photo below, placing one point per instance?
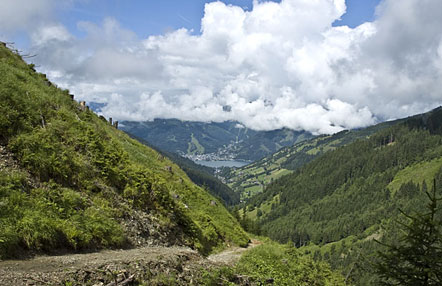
(417, 173)
(195, 147)
(249, 186)
(275, 264)
(251, 191)
(278, 174)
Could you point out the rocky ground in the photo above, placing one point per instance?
(117, 267)
(6, 159)
(140, 266)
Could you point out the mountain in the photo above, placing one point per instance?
(335, 205)
(226, 140)
(251, 179)
(264, 143)
(69, 181)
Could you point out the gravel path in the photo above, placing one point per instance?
(102, 268)
(232, 255)
(53, 270)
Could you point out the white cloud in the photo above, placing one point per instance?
(46, 34)
(278, 65)
(29, 15)
(23, 14)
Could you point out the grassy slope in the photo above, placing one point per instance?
(417, 173)
(214, 221)
(79, 178)
(200, 175)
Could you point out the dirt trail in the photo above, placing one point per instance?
(91, 260)
(50, 270)
(232, 255)
(106, 267)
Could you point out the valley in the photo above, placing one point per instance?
(251, 179)
(84, 203)
(335, 206)
(334, 196)
(213, 141)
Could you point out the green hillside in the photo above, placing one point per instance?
(251, 179)
(70, 181)
(338, 203)
(201, 175)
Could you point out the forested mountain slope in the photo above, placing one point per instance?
(251, 179)
(71, 181)
(358, 178)
(349, 196)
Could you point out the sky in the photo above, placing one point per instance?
(315, 65)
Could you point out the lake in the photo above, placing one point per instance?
(218, 164)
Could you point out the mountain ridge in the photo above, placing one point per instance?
(225, 140)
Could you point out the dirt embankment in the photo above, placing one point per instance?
(157, 265)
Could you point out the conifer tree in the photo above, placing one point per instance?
(417, 259)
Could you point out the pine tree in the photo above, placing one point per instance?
(417, 259)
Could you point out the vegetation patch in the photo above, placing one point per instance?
(274, 264)
(76, 179)
(417, 173)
